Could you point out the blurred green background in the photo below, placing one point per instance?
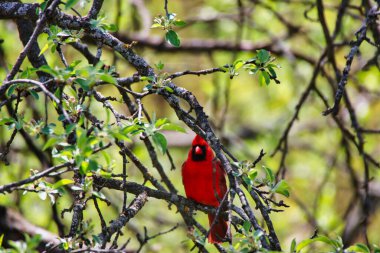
(255, 116)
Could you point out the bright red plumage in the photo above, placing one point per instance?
(204, 182)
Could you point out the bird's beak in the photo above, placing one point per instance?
(198, 150)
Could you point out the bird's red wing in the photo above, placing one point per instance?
(222, 179)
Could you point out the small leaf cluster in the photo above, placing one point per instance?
(247, 239)
(58, 37)
(167, 23)
(153, 129)
(28, 245)
(84, 236)
(161, 80)
(101, 24)
(250, 176)
(45, 189)
(198, 237)
(336, 245)
(86, 77)
(261, 65)
(68, 5)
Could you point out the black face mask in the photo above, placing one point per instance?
(201, 156)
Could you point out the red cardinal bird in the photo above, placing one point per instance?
(204, 182)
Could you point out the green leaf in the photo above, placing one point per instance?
(252, 174)
(282, 188)
(161, 122)
(172, 37)
(132, 129)
(96, 239)
(263, 55)
(43, 50)
(1, 239)
(112, 27)
(120, 136)
(272, 72)
(83, 167)
(48, 129)
(12, 89)
(269, 174)
(247, 180)
(179, 23)
(105, 174)
(99, 195)
(168, 89)
(62, 182)
(84, 83)
(238, 64)
(358, 247)
(147, 78)
(108, 78)
(156, 25)
(159, 66)
(107, 157)
(61, 117)
(266, 77)
(173, 127)
(307, 242)
(293, 246)
(70, 3)
(19, 124)
(47, 69)
(69, 128)
(246, 226)
(160, 140)
(92, 165)
(34, 94)
(50, 143)
(4, 121)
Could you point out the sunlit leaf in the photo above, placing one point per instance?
(108, 78)
(62, 182)
(173, 127)
(359, 248)
(282, 188)
(269, 174)
(307, 242)
(99, 195)
(179, 23)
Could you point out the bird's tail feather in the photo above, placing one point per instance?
(218, 232)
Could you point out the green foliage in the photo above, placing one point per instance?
(261, 65)
(58, 37)
(156, 82)
(70, 3)
(152, 129)
(45, 189)
(102, 25)
(198, 237)
(247, 240)
(250, 175)
(167, 23)
(29, 245)
(84, 236)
